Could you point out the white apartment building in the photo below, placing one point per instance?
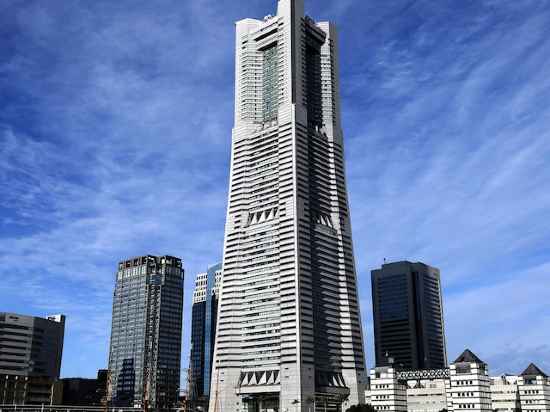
(427, 395)
(387, 393)
(464, 386)
(289, 334)
(534, 390)
(505, 394)
(470, 384)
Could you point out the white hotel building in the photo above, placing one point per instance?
(289, 332)
(464, 386)
(534, 390)
(505, 394)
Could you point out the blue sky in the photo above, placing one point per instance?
(115, 125)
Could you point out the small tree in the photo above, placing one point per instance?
(361, 408)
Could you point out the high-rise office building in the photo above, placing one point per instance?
(289, 329)
(144, 357)
(203, 333)
(409, 330)
(30, 357)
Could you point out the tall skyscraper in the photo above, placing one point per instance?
(145, 352)
(289, 332)
(203, 333)
(30, 357)
(408, 316)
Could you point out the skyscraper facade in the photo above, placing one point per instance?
(203, 333)
(409, 331)
(289, 329)
(145, 351)
(30, 357)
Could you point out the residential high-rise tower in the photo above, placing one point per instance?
(289, 331)
(145, 352)
(203, 333)
(409, 330)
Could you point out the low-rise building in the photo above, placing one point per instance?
(505, 394)
(470, 384)
(367, 392)
(464, 386)
(387, 393)
(534, 390)
(81, 391)
(427, 395)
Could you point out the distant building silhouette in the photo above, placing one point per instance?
(81, 391)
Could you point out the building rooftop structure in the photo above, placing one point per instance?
(468, 357)
(533, 370)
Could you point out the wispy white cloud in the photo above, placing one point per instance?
(447, 128)
(506, 322)
(120, 153)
